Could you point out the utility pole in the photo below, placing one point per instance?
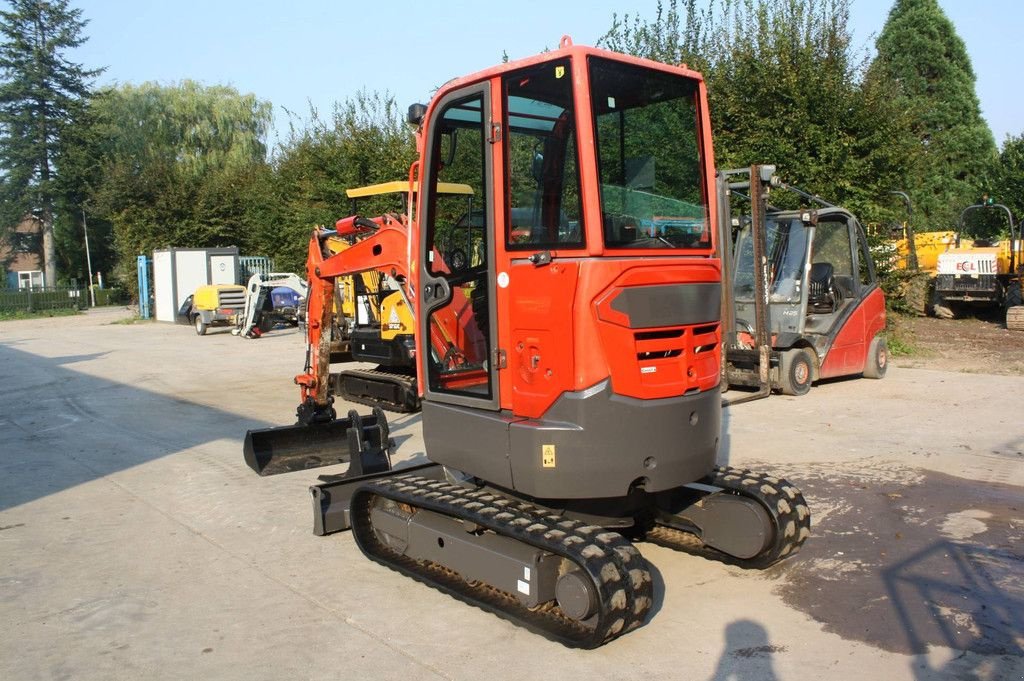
(909, 232)
(88, 258)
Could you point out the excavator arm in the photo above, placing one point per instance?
(382, 246)
(319, 438)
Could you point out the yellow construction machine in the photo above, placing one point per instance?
(375, 321)
(982, 273)
(927, 247)
(212, 305)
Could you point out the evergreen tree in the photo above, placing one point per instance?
(920, 51)
(1008, 185)
(40, 93)
(79, 159)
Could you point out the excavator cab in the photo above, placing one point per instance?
(599, 280)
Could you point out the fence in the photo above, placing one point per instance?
(38, 299)
(249, 265)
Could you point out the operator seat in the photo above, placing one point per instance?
(619, 229)
(823, 296)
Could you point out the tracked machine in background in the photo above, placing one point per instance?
(569, 371)
(270, 299)
(373, 319)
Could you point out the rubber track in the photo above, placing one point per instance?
(383, 377)
(786, 506)
(614, 565)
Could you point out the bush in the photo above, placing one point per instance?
(111, 296)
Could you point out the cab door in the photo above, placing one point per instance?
(457, 316)
(834, 242)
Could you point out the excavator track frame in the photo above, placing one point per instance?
(783, 503)
(615, 568)
(391, 391)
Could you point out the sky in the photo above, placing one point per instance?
(315, 52)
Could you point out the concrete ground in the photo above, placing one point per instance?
(134, 542)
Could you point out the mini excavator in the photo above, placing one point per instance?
(373, 319)
(567, 350)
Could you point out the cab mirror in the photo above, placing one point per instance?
(415, 114)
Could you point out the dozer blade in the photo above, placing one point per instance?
(362, 440)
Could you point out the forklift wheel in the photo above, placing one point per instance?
(796, 372)
(201, 326)
(266, 323)
(878, 358)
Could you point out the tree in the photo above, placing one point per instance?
(194, 128)
(173, 162)
(785, 87)
(920, 52)
(1008, 184)
(40, 93)
(672, 37)
(79, 158)
(365, 141)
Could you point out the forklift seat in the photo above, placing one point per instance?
(823, 296)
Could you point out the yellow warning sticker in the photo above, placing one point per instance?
(559, 71)
(547, 456)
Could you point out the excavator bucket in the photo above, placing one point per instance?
(362, 441)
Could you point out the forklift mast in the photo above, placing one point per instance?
(754, 184)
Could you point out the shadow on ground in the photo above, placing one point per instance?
(907, 561)
(747, 655)
(61, 428)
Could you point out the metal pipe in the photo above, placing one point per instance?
(762, 332)
(725, 252)
(1009, 216)
(760, 233)
(88, 257)
(909, 231)
(807, 195)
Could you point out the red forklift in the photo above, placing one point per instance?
(804, 302)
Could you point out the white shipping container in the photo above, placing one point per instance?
(178, 272)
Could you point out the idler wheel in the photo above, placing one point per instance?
(576, 595)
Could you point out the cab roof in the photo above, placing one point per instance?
(402, 186)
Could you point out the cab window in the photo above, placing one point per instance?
(649, 157)
(542, 167)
